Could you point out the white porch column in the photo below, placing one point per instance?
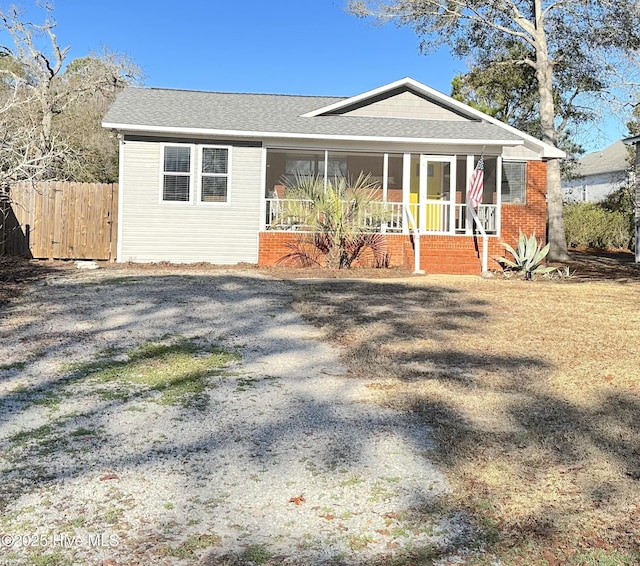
(406, 187)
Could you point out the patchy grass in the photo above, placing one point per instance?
(33, 435)
(247, 382)
(21, 364)
(257, 554)
(191, 548)
(84, 432)
(56, 558)
(532, 390)
(13, 365)
(179, 372)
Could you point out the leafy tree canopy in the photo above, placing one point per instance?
(587, 46)
(506, 89)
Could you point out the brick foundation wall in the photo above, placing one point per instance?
(272, 247)
(438, 253)
(459, 255)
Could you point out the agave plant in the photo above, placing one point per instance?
(527, 257)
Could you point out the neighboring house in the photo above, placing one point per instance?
(598, 174)
(635, 141)
(203, 175)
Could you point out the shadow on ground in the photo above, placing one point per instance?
(65, 424)
(16, 273)
(599, 265)
(538, 471)
(571, 470)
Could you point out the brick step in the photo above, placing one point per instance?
(462, 257)
(450, 258)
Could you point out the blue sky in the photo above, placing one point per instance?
(269, 46)
(276, 46)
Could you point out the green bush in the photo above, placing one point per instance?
(592, 225)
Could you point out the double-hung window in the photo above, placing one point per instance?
(214, 174)
(514, 182)
(181, 184)
(176, 173)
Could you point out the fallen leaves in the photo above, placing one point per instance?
(299, 500)
(107, 477)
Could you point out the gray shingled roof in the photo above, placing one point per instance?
(278, 114)
(611, 159)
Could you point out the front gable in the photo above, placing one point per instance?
(405, 98)
(409, 99)
(402, 102)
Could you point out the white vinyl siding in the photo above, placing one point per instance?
(520, 153)
(406, 105)
(153, 230)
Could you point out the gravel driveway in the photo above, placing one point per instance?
(282, 459)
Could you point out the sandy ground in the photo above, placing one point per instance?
(286, 461)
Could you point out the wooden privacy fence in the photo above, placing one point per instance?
(60, 220)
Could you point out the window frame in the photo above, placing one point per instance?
(189, 174)
(201, 174)
(505, 178)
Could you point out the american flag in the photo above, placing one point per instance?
(476, 186)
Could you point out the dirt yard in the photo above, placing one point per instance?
(176, 416)
(530, 391)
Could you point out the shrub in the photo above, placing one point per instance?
(591, 225)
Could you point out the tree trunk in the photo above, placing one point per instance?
(333, 257)
(544, 74)
(47, 120)
(556, 234)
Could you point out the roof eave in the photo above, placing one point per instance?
(293, 135)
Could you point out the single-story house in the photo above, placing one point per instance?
(203, 175)
(598, 174)
(635, 141)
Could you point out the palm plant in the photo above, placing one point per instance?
(339, 218)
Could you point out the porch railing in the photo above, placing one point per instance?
(487, 213)
(288, 215)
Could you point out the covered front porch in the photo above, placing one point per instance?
(415, 193)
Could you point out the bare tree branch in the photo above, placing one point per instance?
(50, 109)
